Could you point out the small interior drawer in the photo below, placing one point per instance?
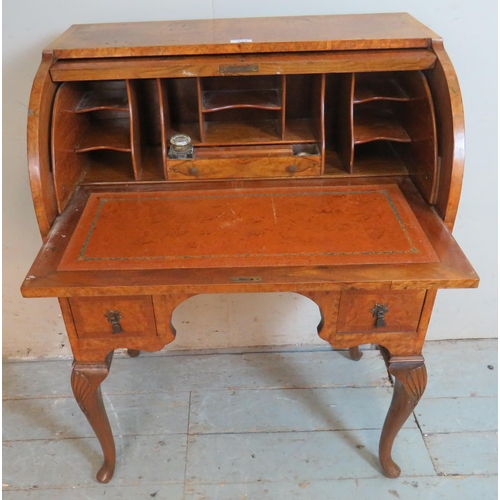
(398, 310)
(253, 161)
(106, 317)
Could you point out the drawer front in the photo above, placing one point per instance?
(113, 317)
(232, 168)
(380, 311)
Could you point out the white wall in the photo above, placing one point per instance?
(34, 327)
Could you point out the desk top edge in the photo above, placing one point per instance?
(267, 34)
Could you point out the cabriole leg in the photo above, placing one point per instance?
(86, 379)
(410, 380)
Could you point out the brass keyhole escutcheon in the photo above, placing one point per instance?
(114, 318)
(379, 312)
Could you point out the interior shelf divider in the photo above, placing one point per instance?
(201, 119)
(103, 99)
(135, 128)
(374, 124)
(283, 106)
(114, 136)
(345, 132)
(243, 133)
(322, 138)
(165, 124)
(378, 87)
(369, 108)
(218, 100)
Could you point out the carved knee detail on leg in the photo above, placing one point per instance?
(411, 379)
(412, 376)
(86, 381)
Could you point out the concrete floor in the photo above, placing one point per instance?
(255, 425)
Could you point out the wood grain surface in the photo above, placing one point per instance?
(267, 64)
(244, 166)
(137, 316)
(222, 36)
(404, 308)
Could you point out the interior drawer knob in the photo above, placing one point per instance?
(193, 171)
(292, 169)
(114, 318)
(379, 312)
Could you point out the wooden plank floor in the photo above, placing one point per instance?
(294, 424)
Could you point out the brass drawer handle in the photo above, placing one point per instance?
(379, 312)
(114, 318)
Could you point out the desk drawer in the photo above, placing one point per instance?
(108, 317)
(398, 310)
(247, 162)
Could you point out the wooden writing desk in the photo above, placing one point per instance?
(317, 155)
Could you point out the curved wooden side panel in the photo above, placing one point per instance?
(67, 130)
(449, 111)
(39, 118)
(418, 119)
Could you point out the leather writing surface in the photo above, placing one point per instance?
(247, 228)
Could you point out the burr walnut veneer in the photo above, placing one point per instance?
(316, 155)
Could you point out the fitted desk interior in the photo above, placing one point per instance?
(317, 155)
